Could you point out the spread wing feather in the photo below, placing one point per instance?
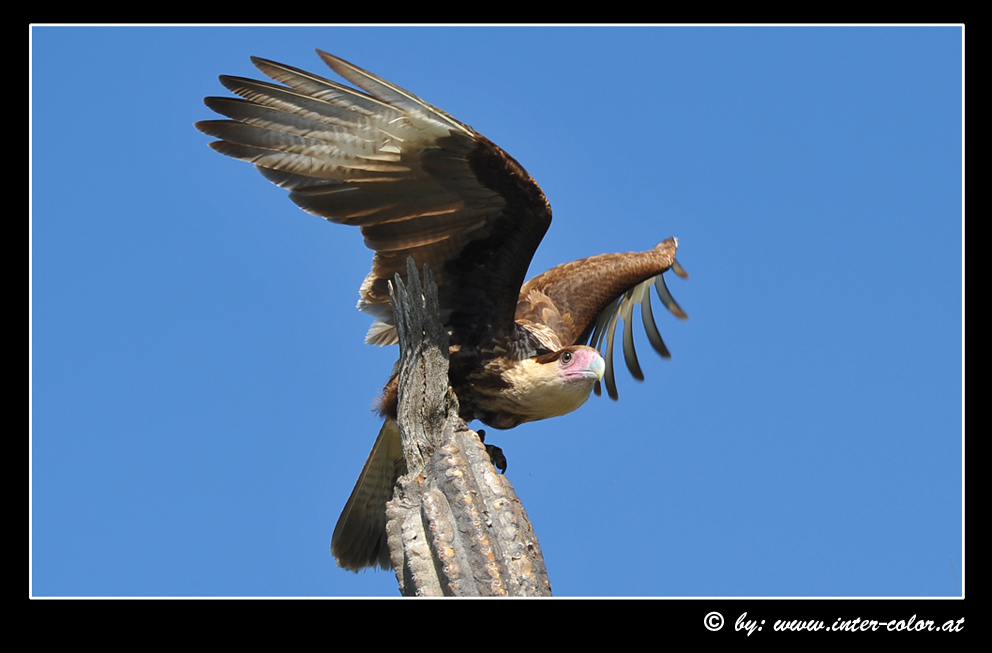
(592, 294)
(415, 180)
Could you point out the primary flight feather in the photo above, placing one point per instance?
(420, 184)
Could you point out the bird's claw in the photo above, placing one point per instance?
(495, 453)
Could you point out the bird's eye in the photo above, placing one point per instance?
(566, 358)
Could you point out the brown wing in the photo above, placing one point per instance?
(581, 301)
(415, 180)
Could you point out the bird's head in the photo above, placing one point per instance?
(555, 384)
(576, 364)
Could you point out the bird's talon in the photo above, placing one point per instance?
(497, 457)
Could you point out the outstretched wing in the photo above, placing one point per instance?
(582, 301)
(416, 181)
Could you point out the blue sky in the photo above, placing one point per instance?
(201, 394)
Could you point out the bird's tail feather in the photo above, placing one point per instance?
(359, 538)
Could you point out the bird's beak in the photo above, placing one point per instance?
(597, 367)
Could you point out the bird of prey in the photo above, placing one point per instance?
(421, 184)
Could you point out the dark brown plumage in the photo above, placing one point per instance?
(420, 184)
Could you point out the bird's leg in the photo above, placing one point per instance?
(495, 453)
